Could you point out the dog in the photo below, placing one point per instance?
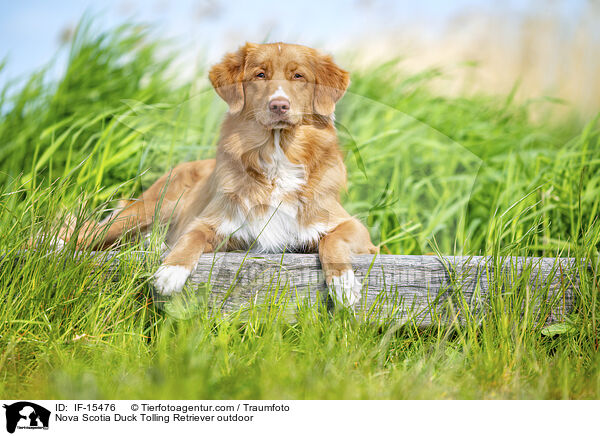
(276, 180)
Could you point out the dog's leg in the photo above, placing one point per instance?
(131, 216)
(163, 199)
(137, 216)
(172, 274)
(335, 249)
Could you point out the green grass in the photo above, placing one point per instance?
(429, 174)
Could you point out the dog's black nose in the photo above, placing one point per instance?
(279, 105)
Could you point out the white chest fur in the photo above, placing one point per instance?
(276, 229)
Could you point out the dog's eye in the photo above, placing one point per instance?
(298, 76)
(261, 75)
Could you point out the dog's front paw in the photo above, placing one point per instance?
(345, 288)
(170, 279)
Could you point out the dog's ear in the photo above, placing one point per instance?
(226, 77)
(331, 84)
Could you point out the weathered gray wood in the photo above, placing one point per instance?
(423, 290)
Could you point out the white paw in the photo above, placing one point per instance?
(58, 243)
(147, 242)
(345, 288)
(170, 279)
(55, 242)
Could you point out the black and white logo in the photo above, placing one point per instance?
(26, 415)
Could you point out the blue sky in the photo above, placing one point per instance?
(30, 29)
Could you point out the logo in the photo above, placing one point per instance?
(26, 415)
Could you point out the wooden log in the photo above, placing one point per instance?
(423, 290)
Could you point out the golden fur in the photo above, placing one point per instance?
(275, 181)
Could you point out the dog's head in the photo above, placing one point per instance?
(279, 85)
